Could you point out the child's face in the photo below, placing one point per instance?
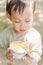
(23, 21)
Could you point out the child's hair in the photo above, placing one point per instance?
(18, 5)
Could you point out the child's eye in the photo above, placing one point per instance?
(27, 21)
(17, 22)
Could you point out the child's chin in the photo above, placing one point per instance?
(22, 32)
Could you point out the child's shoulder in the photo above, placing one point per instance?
(7, 30)
(34, 32)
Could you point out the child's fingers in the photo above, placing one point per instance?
(24, 57)
(8, 50)
(9, 55)
(29, 54)
(12, 57)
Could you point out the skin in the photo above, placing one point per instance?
(21, 23)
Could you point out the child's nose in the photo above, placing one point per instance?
(23, 24)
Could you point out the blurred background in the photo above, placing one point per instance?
(38, 21)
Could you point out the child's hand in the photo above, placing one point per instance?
(9, 55)
(29, 54)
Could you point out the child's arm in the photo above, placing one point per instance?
(3, 40)
(34, 55)
(4, 44)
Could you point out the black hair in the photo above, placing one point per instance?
(18, 5)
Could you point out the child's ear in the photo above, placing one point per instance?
(35, 14)
(8, 15)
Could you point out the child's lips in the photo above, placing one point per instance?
(22, 30)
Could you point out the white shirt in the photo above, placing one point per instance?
(32, 38)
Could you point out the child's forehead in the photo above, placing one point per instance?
(27, 8)
(26, 14)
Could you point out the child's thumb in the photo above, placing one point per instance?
(8, 49)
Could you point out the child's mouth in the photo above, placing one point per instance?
(22, 30)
